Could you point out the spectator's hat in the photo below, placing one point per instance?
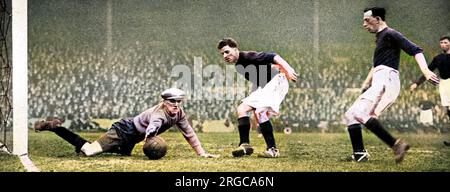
(173, 93)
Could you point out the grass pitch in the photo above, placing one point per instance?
(300, 152)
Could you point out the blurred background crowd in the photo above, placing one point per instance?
(110, 59)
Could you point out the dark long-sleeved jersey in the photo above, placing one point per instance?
(256, 67)
(389, 43)
(440, 62)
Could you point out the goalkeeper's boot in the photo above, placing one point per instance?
(46, 125)
(243, 149)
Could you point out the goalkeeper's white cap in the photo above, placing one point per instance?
(173, 93)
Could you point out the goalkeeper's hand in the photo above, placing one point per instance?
(208, 155)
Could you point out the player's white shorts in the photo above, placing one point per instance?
(267, 100)
(383, 92)
(426, 116)
(444, 90)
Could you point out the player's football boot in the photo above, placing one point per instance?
(400, 148)
(43, 125)
(270, 153)
(243, 149)
(360, 156)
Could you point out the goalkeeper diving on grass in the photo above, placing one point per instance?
(126, 133)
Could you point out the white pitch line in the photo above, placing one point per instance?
(28, 164)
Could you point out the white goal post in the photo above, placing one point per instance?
(20, 77)
(20, 82)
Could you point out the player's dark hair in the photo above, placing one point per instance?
(377, 12)
(227, 41)
(444, 37)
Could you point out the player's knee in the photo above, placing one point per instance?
(262, 118)
(90, 149)
(361, 116)
(354, 116)
(242, 110)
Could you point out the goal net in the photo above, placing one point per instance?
(14, 78)
(6, 136)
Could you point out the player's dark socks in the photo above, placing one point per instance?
(374, 125)
(267, 132)
(356, 137)
(244, 130)
(70, 137)
(448, 112)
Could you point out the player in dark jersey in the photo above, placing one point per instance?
(382, 85)
(269, 90)
(442, 63)
(124, 134)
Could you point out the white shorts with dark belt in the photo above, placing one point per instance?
(383, 92)
(267, 100)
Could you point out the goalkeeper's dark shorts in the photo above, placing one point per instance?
(120, 138)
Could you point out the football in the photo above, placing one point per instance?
(287, 130)
(155, 147)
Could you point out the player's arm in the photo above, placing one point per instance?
(429, 75)
(421, 79)
(153, 126)
(285, 67)
(412, 49)
(368, 81)
(191, 137)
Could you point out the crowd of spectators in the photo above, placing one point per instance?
(83, 84)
